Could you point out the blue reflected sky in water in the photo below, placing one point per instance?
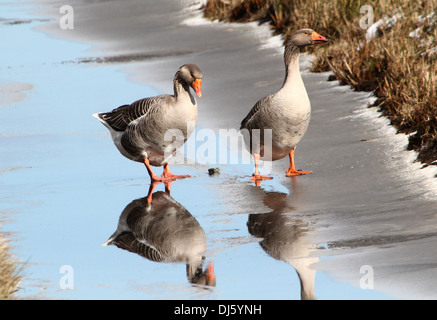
(67, 185)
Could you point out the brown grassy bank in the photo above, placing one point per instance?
(9, 273)
(398, 65)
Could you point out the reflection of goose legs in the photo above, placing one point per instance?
(153, 186)
(150, 193)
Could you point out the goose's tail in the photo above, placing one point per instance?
(98, 116)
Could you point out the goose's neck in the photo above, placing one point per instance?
(306, 278)
(182, 90)
(306, 275)
(291, 60)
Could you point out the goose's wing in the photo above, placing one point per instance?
(119, 118)
(255, 110)
(128, 242)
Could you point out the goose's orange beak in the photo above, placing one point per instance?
(197, 87)
(317, 38)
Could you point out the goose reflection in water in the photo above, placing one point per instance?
(162, 230)
(284, 239)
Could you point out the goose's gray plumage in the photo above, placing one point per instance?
(145, 130)
(286, 112)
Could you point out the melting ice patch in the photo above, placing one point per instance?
(401, 163)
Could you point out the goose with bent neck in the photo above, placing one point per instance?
(286, 112)
(139, 130)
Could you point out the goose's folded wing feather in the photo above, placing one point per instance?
(255, 109)
(121, 117)
(128, 242)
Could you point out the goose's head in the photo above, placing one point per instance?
(192, 75)
(306, 37)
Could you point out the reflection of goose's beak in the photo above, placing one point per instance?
(210, 276)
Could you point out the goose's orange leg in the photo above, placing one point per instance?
(152, 175)
(291, 171)
(168, 175)
(256, 176)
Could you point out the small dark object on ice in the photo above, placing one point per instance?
(213, 171)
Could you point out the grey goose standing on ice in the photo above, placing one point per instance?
(139, 129)
(286, 112)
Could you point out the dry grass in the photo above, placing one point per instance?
(9, 274)
(397, 66)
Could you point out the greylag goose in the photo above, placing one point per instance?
(161, 230)
(286, 112)
(139, 129)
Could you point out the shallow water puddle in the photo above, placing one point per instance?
(67, 185)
